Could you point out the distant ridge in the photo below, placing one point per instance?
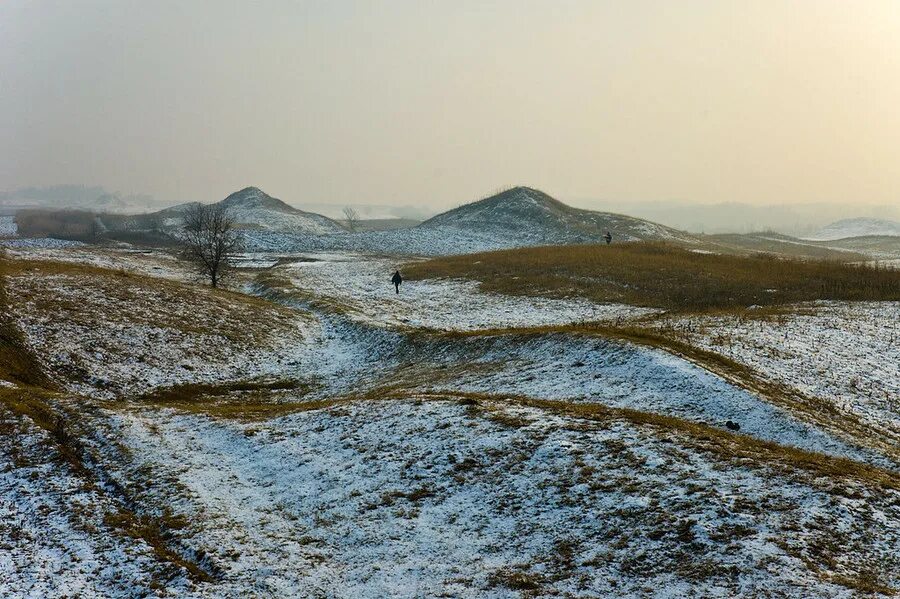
(77, 197)
(856, 227)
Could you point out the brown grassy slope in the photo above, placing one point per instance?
(81, 292)
(17, 363)
(664, 276)
(774, 243)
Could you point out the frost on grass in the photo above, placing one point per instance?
(361, 288)
(53, 538)
(422, 497)
(845, 353)
(430, 498)
(111, 334)
(622, 375)
(147, 262)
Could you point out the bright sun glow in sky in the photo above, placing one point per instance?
(437, 103)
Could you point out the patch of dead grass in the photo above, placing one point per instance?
(660, 275)
(82, 292)
(238, 400)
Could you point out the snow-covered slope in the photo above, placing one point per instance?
(856, 227)
(526, 213)
(518, 217)
(255, 209)
(409, 462)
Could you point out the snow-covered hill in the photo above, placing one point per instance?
(856, 227)
(518, 217)
(255, 209)
(525, 214)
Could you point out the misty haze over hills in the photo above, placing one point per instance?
(85, 197)
(732, 217)
(725, 217)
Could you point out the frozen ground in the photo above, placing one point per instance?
(38, 242)
(152, 263)
(845, 353)
(424, 499)
(361, 288)
(113, 335)
(54, 541)
(419, 493)
(417, 241)
(8, 226)
(857, 227)
(612, 373)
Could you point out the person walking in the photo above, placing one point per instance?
(396, 280)
(608, 237)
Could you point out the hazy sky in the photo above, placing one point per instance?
(436, 103)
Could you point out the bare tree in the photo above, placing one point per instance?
(210, 239)
(352, 218)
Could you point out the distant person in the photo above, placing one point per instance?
(396, 280)
(608, 238)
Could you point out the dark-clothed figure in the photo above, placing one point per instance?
(608, 237)
(396, 280)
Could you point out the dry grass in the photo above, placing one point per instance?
(775, 243)
(238, 400)
(663, 276)
(140, 299)
(17, 363)
(194, 392)
(156, 531)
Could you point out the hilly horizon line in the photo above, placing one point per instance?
(504, 193)
(723, 217)
(576, 201)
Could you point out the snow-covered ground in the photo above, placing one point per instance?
(107, 335)
(419, 493)
(361, 287)
(844, 353)
(433, 498)
(39, 242)
(152, 263)
(623, 375)
(416, 241)
(54, 541)
(8, 226)
(856, 227)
